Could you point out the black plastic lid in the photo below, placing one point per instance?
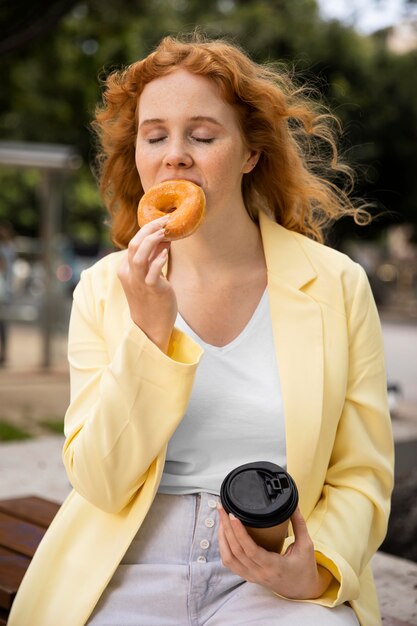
(260, 494)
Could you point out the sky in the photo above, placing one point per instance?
(366, 15)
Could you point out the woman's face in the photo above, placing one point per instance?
(186, 130)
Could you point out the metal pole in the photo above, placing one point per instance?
(50, 211)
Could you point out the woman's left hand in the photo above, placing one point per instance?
(294, 574)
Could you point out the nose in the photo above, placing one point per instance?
(177, 155)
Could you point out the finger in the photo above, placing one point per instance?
(224, 547)
(158, 222)
(253, 556)
(225, 526)
(301, 534)
(155, 268)
(158, 249)
(139, 254)
(242, 546)
(227, 556)
(145, 231)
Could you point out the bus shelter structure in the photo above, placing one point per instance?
(54, 162)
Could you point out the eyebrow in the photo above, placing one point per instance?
(196, 118)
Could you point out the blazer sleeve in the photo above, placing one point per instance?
(350, 520)
(126, 401)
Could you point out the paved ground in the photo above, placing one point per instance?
(35, 468)
(29, 395)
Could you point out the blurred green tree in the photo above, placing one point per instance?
(51, 85)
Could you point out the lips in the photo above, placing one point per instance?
(190, 180)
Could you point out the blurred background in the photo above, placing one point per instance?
(362, 57)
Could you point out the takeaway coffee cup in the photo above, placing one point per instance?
(263, 496)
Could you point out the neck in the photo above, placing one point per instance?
(220, 246)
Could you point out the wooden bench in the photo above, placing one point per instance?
(23, 522)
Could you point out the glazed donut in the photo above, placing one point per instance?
(184, 201)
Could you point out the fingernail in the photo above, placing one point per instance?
(219, 506)
(232, 516)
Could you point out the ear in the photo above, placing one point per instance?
(251, 161)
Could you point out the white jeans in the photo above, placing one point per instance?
(172, 575)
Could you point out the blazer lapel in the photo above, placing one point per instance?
(298, 336)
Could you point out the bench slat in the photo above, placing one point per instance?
(12, 569)
(3, 617)
(31, 509)
(23, 523)
(20, 536)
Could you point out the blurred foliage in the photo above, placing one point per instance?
(52, 83)
(10, 432)
(55, 426)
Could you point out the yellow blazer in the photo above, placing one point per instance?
(127, 398)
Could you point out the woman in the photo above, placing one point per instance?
(247, 340)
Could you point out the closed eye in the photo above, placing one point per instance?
(204, 140)
(152, 140)
(156, 139)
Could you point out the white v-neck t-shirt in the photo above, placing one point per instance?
(235, 414)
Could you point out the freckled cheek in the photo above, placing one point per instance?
(218, 167)
(146, 164)
(224, 169)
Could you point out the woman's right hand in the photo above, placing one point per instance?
(151, 298)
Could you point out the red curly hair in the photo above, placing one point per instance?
(295, 135)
